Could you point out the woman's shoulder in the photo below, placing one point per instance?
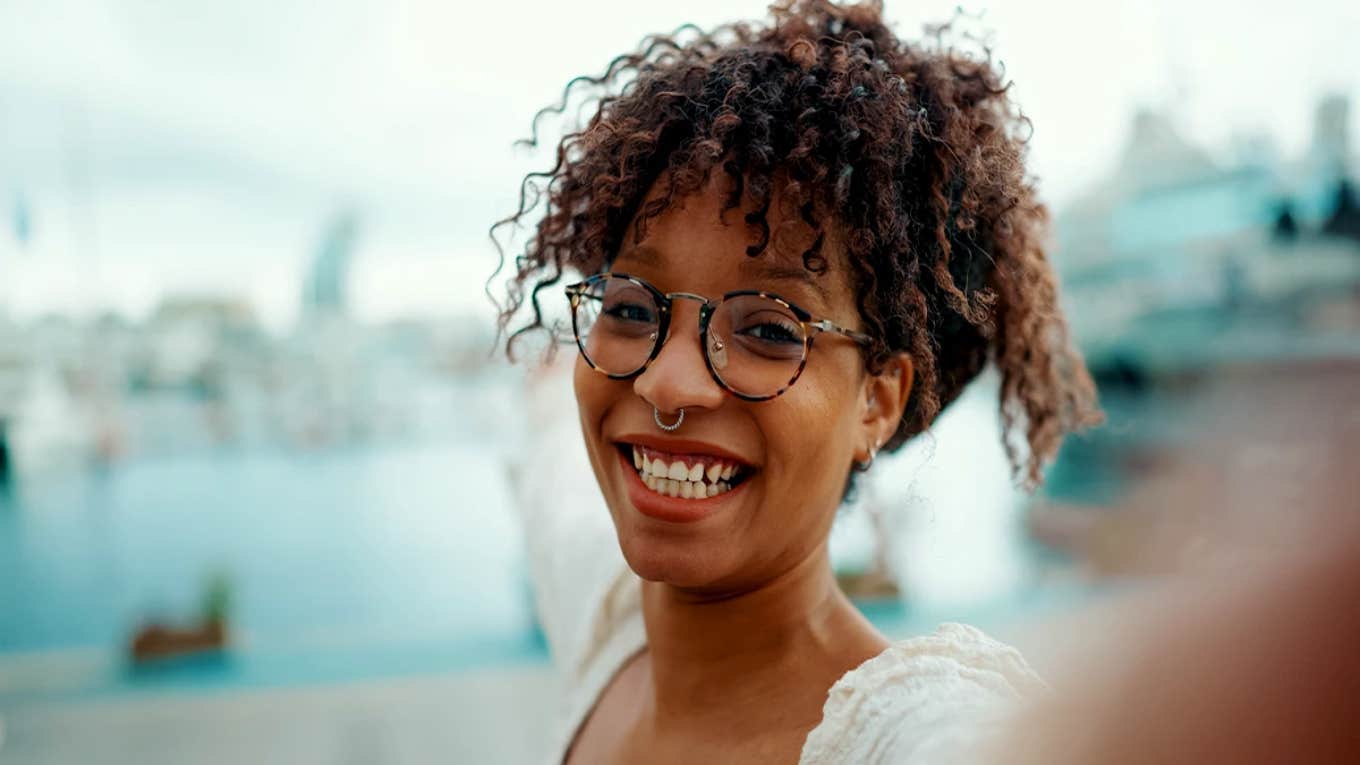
(953, 653)
(924, 699)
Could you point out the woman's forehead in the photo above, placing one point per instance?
(694, 233)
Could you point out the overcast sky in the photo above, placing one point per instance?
(199, 147)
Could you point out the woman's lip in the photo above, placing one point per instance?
(682, 446)
(671, 509)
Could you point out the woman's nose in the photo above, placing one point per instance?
(678, 378)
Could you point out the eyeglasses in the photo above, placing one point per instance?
(755, 343)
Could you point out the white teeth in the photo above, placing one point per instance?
(698, 481)
(671, 487)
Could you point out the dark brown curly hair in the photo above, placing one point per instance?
(915, 152)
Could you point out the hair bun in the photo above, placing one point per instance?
(816, 22)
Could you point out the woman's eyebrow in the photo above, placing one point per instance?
(643, 254)
(783, 273)
(758, 268)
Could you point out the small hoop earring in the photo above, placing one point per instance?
(656, 415)
(863, 467)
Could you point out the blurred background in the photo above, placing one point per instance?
(254, 502)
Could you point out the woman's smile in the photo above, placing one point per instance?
(678, 480)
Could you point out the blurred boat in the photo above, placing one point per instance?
(4, 454)
(1177, 262)
(868, 577)
(49, 430)
(155, 641)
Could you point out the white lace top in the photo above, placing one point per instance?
(923, 700)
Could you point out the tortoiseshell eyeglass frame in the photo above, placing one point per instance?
(812, 326)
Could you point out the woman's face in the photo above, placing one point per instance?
(791, 453)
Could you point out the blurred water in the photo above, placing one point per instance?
(385, 560)
(345, 563)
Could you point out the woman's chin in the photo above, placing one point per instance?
(674, 562)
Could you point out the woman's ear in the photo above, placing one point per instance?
(886, 395)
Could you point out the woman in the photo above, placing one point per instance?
(793, 244)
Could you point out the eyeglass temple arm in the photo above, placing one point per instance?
(825, 325)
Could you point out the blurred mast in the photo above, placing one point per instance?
(84, 221)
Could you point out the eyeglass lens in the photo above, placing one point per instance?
(755, 344)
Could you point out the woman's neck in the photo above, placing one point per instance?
(710, 652)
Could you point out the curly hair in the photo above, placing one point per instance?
(913, 156)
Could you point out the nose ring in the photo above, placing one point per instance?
(656, 415)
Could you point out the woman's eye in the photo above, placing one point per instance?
(773, 333)
(629, 312)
